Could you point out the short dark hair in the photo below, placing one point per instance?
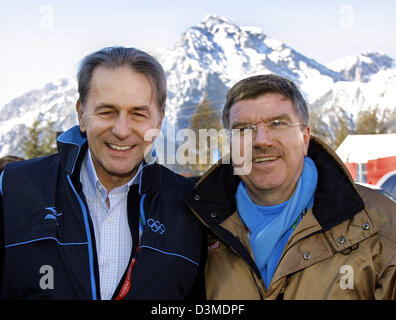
(113, 57)
(255, 86)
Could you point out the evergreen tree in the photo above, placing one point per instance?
(341, 132)
(31, 144)
(41, 141)
(205, 117)
(49, 139)
(370, 122)
(319, 128)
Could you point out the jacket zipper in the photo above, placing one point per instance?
(231, 248)
(89, 240)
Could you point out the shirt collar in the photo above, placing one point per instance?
(95, 184)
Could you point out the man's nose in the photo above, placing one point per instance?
(261, 136)
(121, 127)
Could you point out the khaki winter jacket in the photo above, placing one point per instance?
(343, 248)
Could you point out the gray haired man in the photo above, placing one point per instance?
(95, 221)
(295, 226)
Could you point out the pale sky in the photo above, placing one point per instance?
(43, 41)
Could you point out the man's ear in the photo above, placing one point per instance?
(80, 111)
(306, 137)
(162, 114)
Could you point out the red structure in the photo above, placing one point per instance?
(376, 169)
(371, 159)
(352, 168)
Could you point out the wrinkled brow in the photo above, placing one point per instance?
(282, 116)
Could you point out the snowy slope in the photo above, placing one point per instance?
(55, 102)
(355, 96)
(362, 67)
(346, 99)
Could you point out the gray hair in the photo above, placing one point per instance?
(253, 87)
(113, 57)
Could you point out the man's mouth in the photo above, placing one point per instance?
(264, 159)
(117, 147)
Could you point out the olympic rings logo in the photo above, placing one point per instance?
(156, 226)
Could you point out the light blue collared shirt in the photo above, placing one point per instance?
(111, 228)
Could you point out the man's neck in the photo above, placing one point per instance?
(270, 197)
(110, 181)
(115, 182)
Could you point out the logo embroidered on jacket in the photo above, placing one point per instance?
(53, 215)
(156, 226)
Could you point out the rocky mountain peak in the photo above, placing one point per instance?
(361, 67)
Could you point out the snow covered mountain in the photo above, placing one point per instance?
(211, 56)
(345, 100)
(208, 59)
(362, 67)
(356, 96)
(55, 102)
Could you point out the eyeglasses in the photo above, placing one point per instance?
(274, 127)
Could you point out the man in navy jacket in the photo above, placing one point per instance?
(98, 220)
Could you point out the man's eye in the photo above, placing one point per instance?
(139, 115)
(276, 124)
(106, 113)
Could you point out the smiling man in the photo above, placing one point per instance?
(118, 112)
(278, 147)
(295, 226)
(95, 220)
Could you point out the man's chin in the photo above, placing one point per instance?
(264, 184)
(123, 173)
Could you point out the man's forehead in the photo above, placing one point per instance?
(109, 76)
(268, 95)
(120, 83)
(268, 104)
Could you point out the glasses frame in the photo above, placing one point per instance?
(266, 125)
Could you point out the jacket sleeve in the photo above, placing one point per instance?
(198, 291)
(386, 281)
(387, 288)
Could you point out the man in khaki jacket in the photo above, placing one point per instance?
(294, 226)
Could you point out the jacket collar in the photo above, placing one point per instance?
(72, 147)
(336, 198)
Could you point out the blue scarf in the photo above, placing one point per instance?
(271, 227)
